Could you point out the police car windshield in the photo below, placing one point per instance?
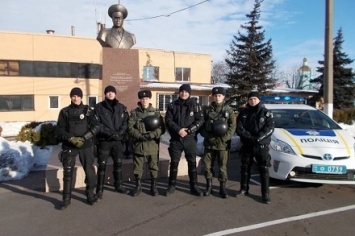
(302, 119)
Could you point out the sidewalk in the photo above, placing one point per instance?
(49, 178)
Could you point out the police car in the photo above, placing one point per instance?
(308, 146)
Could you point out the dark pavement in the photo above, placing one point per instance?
(25, 211)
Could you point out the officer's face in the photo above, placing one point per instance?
(218, 98)
(117, 19)
(253, 101)
(184, 95)
(110, 95)
(145, 102)
(76, 99)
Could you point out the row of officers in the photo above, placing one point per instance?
(80, 128)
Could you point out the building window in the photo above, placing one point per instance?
(165, 99)
(50, 69)
(53, 102)
(16, 102)
(92, 101)
(150, 73)
(182, 74)
(9, 68)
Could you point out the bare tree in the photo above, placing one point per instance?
(219, 72)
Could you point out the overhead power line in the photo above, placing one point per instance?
(169, 14)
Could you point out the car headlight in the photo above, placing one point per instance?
(281, 146)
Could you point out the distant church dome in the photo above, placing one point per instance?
(304, 67)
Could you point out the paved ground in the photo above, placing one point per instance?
(296, 209)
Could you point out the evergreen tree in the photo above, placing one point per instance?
(343, 84)
(249, 58)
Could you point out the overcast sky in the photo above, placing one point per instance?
(296, 27)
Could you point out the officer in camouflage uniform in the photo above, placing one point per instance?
(145, 126)
(76, 127)
(255, 125)
(218, 129)
(183, 119)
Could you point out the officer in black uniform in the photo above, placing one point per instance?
(255, 125)
(113, 117)
(76, 127)
(218, 129)
(183, 119)
(145, 125)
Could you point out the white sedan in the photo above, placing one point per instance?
(308, 146)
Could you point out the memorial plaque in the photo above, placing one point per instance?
(120, 68)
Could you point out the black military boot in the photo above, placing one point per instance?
(118, 183)
(194, 189)
(264, 180)
(244, 181)
(67, 179)
(172, 179)
(153, 187)
(208, 187)
(138, 189)
(100, 181)
(91, 198)
(222, 189)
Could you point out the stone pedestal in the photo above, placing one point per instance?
(120, 68)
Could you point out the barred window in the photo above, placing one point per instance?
(165, 99)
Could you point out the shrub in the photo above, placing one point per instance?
(346, 115)
(38, 133)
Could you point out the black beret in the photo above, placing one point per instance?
(144, 94)
(76, 91)
(218, 90)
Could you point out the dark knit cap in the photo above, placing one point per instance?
(76, 91)
(144, 94)
(110, 88)
(185, 87)
(218, 90)
(254, 94)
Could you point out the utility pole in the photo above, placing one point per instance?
(328, 62)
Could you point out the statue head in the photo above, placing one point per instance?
(118, 8)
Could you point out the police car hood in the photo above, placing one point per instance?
(313, 138)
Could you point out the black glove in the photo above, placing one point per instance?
(192, 129)
(77, 141)
(255, 139)
(145, 137)
(116, 136)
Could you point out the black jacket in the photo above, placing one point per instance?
(79, 121)
(255, 125)
(183, 114)
(113, 117)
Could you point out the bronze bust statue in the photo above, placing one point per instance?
(116, 37)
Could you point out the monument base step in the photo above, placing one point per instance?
(53, 180)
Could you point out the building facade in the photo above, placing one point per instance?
(37, 72)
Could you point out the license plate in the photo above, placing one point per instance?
(328, 169)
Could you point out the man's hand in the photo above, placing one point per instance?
(183, 132)
(213, 141)
(77, 141)
(145, 137)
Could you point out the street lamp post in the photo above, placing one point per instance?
(328, 62)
